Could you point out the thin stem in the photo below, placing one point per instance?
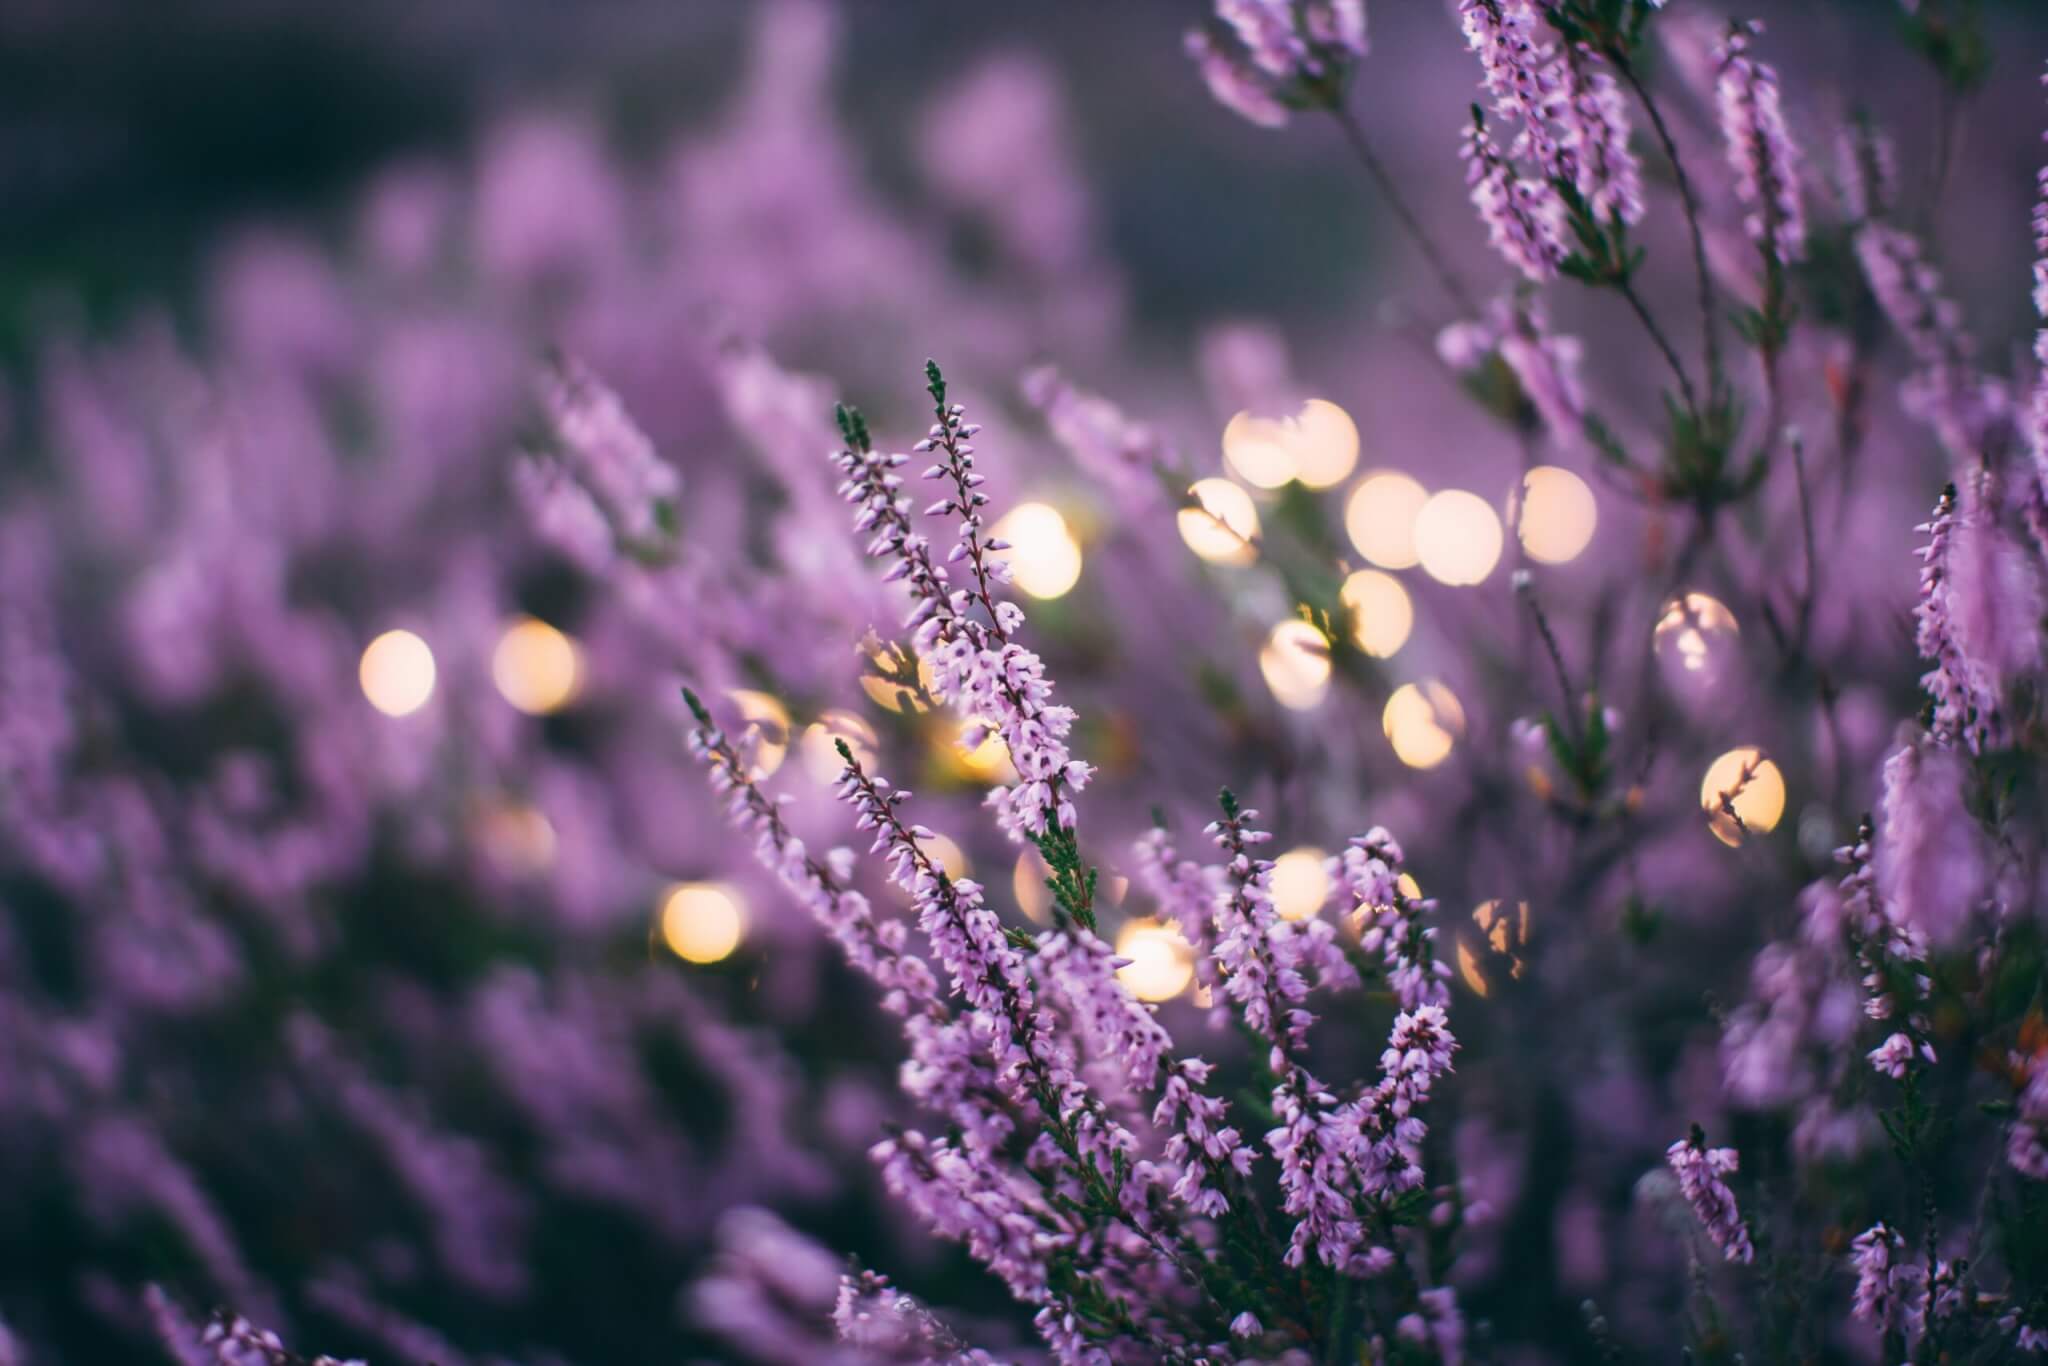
(1709, 332)
(1384, 182)
(1635, 301)
(1806, 535)
(1557, 664)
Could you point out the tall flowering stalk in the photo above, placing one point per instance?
(1098, 1211)
(997, 684)
(1760, 151)
(1702, 1179)
(1965, 709)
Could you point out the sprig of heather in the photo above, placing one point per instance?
(2034, 505)
(1391, 923)
(1964, 407)
(1089, 1153)
(1263, 58)
(1524, 218)
(226, 1339)
(1889, 1283)
(1571, 123)
(1316, 1182)
(947, 1068)
(1593, 137)
(1702, 1173)
(878, 949)
(1892, 956)
(876, 1316)
(1965, 708)
(1760, 150)
(1866, 170)
(611, 457)
(1337, 1161)
(977, 667)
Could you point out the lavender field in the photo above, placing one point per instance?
(1246, 681)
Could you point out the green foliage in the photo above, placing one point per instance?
(853, 426)
(1071, 883)
(1950, 35)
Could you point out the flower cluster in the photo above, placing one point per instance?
(1570, 123)
(1702, 1179)
(1524, 218)
(1265, 57)
(1760, 150)
(1089, 1208)
(998, 684)
(1965, 709)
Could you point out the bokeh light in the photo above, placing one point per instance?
(890, 694)
(1693, 629)
(1457, 538)
(1300, 884)
(1422, 722)
(1161, 964)
(947, 854)
(1044, 557)
(1505, 926)
(820, 751)
(987, 762)
(1325, 444)
(1027, 884)
(702, 922)
(515, 836)
(397, 673)
(1295, 662)
(535, 667)
(1557, 516)
(1380, 518)
(1382, 614)
(1223, 528)
(1257, 450)
(1317, 445)
(765, 735)
(1752, 785)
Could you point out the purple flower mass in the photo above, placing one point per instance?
(1380, 761)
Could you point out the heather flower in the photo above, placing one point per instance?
(998, 684)
(1889, 1283)
(870, 1313)
(1760, 151)
(1702, 1173)
(1866, 170)
(1892, 952)
(1233, 83)
(1969, 411)
(1525, 219)
(1932, 867)
(1993, 593)
(225, 1339)
(1546, 366)
(1368, 873)
(611, 455)
(1899, 1052)
(1284, 53)
(2027, 1145)
(1439, 1325)
(1103, 442)
(1966, 706)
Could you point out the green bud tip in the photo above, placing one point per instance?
(844, 752)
